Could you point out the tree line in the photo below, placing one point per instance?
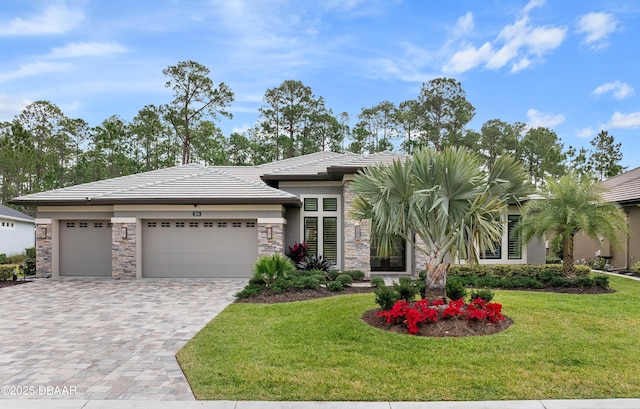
(43, 149)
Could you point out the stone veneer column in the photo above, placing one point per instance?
(44, 248)
(421, 258)
(268, 246)
(356, 250)
(124, 241)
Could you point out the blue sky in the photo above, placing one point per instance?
(568, 65)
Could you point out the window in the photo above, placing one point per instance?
(311, 204)
(151, 224)
(109, 225)
(208, 224)
(514, 244)
(222, 224)
(83, 225)
(193, 224)
(165, 224)
(179, 224)
(492, 254)
(97, 225)
(251, 224)
(321, 226)
(71, 225)
(236, 224)
(395, 262)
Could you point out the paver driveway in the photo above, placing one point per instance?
(103, 338)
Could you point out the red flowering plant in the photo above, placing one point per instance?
(413, 314)
(298, 252)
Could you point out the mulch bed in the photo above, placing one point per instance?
(266, 297)
(12, 283)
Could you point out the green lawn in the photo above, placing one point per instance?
(560, 346)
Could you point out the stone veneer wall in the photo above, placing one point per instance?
(267, 247)
(357, 252)
(123, 250)
(44, 250)
(421, 258)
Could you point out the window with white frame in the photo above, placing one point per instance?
(320, 217)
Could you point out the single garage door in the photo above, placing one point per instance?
(199, 248)
(85, 248)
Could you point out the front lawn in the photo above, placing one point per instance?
(561, 346)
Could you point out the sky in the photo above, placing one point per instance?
(569, 65)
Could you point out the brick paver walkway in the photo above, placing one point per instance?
(103, 338)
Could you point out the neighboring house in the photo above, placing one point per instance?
(197, 221)
(16, 231)
(625, 190)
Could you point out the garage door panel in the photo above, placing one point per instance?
(85, 248)
(209, 248)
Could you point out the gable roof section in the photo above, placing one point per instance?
(197, 184)
(624, 188)
(11, 214)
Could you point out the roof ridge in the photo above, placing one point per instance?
(315, 161)
(255, 183)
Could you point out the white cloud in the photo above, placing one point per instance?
(597, 27)
(542, 119)
(28, 70)
(241, 129)
(586, 132)
(87, 49)
(624, 121)
(464, 25)
(520, 44)
(408, 67)
(11, 106)
(620, 89)
(54, 19)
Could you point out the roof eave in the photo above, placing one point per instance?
(300, 177)
(286, 201)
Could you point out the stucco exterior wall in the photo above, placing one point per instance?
(16, 236)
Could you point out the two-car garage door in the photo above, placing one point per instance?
(199, 248)
(170, 248)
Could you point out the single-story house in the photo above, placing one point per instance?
(623, 189)
(16, 231)
(214, 221)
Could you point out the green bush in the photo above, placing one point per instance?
(584, 282)
(355, 274)
(558, 282)
(306, 282)
(315, 263)
(272, 268)
(4, 259)
(553, 260)
(377, 282)
(28, 267)
(406, 289)
(455, 289)
(332, 274)
(250, 290)
(636, 267)
(334, 286)
(7, 271)
(281, 285)
(485, 293)
(601, 281)
(345, 279)
(421, 287)
(386, 297)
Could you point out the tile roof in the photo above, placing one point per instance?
(208, 184)
(624, 188)
(11, 214)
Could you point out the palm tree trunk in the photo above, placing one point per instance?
(568, 269)
(437, 277)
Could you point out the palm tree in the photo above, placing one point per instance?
(572, 204)
(443, 198)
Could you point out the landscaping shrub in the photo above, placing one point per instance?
(272, 268)
(553, 260)
(355, 274)
(18, 258)
(377, 282)
(7, 271)
(386, 297)
(406, 289)
(28, 267)
(298, 252)
(421, 312)
(455, 289)
(332, 274)
(281, 285)
(335, 286)
(250, 290)
(636, 267)
(305, 282)
(421, 287)
(601, 281)
(584, 282)
(315, 263)
(485, 294)
(345, 279)
(4, 259)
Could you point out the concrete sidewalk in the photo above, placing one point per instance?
(132, 404)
